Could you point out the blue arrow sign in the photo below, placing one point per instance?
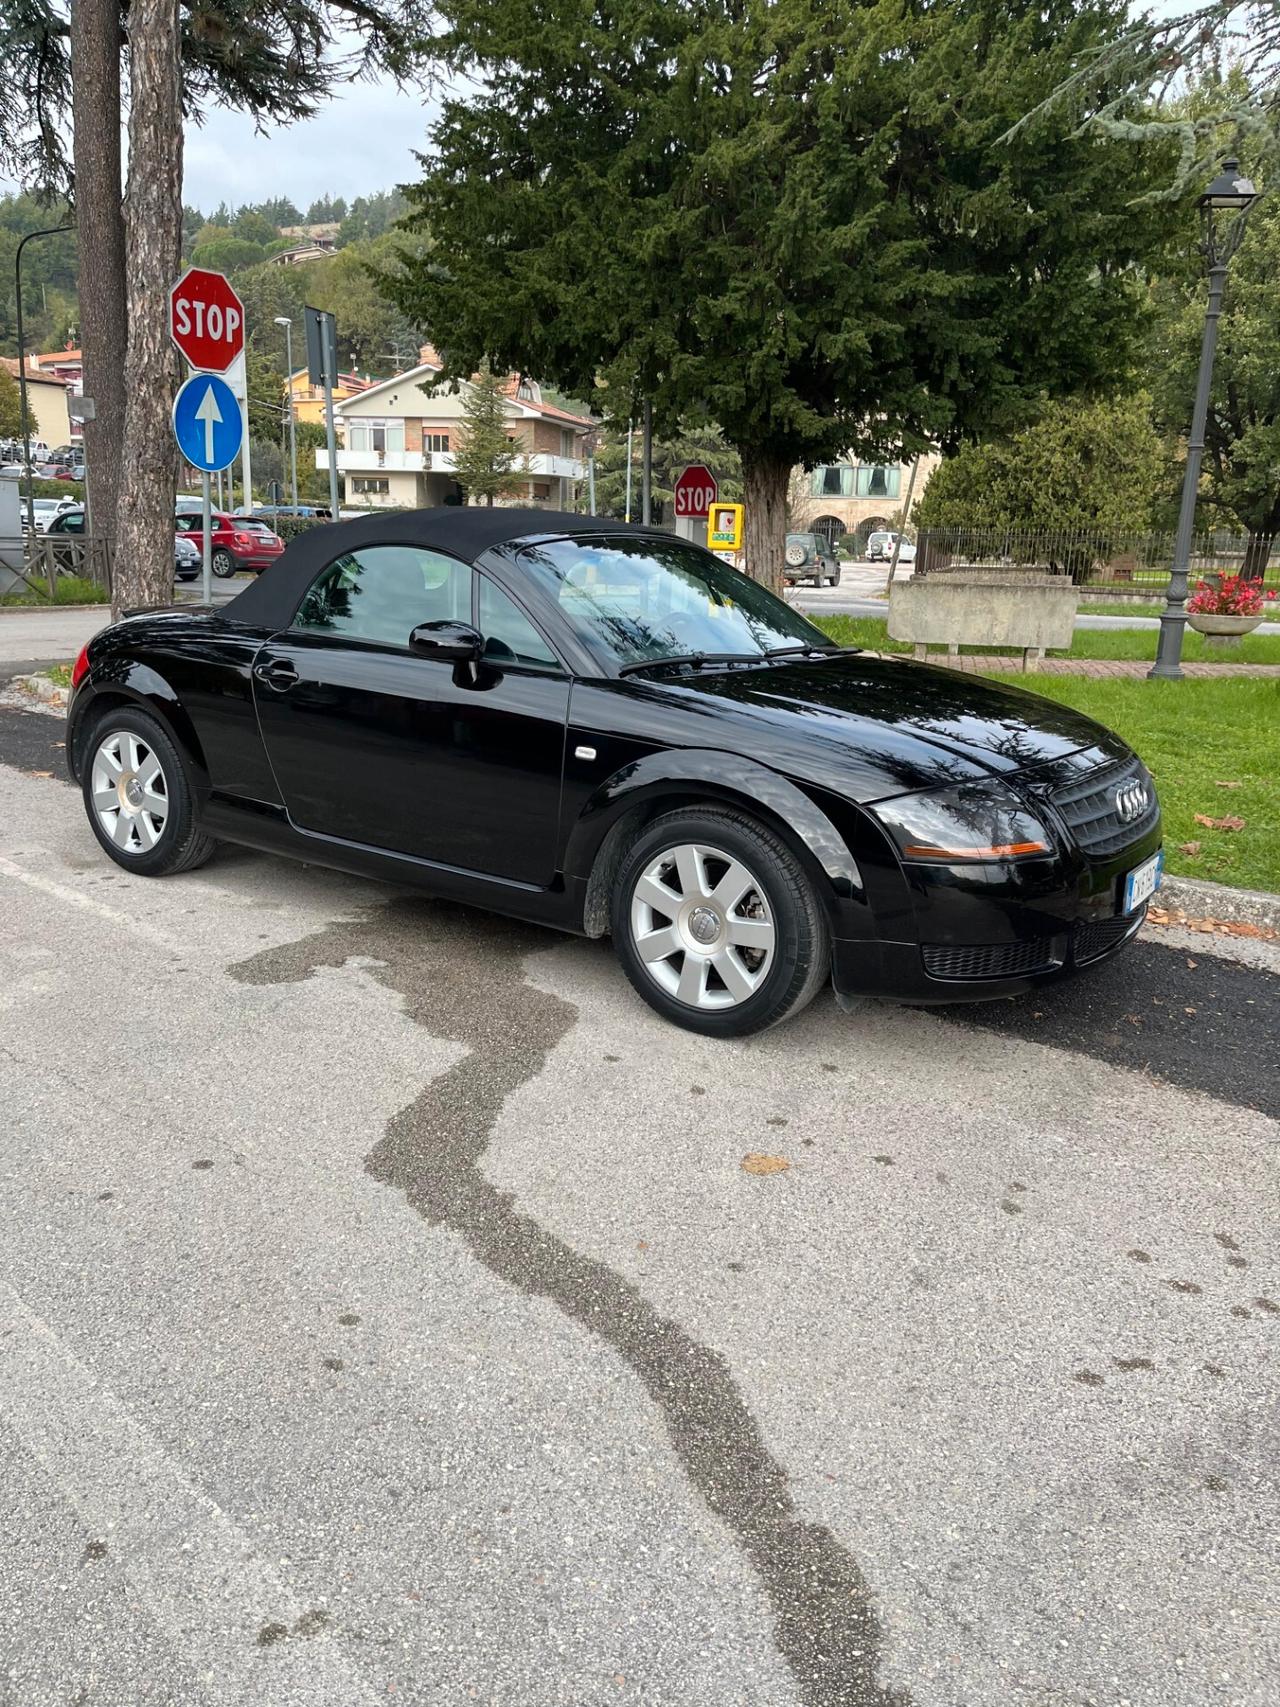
(206, 422)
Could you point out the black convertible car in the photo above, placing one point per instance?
(607, 729)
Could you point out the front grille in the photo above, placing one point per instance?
(987, 960)
(1092, 941)
(1089, 808)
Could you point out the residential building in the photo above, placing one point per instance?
(859, 497)
(399, 443)
(47, 402)
(67, 365)
(316, 250)
(308, 399)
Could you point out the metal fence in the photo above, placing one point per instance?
(38, 566)
(1136, 565)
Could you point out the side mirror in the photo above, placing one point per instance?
(448, 642)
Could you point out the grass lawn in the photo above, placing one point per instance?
(1089, 608)
(71, 590)
(1192, 736)
(1138, 643)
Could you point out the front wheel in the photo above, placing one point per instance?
(223, 564)
(716, 923)
(138, 797)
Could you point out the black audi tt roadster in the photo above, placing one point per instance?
(607, 729)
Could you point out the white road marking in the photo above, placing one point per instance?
(197, 1572)
(74, 898)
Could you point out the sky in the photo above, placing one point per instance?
(357, 144)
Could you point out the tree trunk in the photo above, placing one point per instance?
(765, 478)
(95, 57)
(153, 236)
(1256, 553)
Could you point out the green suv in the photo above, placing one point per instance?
(810, 557)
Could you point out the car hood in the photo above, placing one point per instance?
(872, 726)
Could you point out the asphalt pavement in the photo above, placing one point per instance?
(386, 1313)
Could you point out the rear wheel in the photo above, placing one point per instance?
(224, 564)
(138, 796)
(717, 925)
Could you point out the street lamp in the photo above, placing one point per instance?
(49, 231)
(284, 320)
(1224, 207)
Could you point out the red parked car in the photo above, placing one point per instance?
(237, 542)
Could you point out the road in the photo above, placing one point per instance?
(386, 1314)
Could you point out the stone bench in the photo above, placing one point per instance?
(967, 605)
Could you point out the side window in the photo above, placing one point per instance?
(187, 523)
(73, 521)
(509, 636)
(383, 592)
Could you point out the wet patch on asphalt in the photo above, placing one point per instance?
(460, 976)
(34, 741)
(1199, 1022)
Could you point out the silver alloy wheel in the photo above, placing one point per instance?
(702, 925)
(130, 793)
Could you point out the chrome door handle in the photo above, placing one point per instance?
(279, 674)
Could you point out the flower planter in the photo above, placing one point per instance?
(1222, 630)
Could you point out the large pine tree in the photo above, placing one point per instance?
(486, 461)
(276, 59)
(798, 219)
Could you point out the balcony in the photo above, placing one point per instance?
(377, 461)
(541, 466)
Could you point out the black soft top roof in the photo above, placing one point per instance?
(464, 532)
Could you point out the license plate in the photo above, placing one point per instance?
(1142, 882)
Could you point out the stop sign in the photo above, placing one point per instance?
(696, 491)
(206, 319)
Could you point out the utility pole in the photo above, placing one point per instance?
(49, 231)
(906, 512)
(646, 469)
(284, 320)
(630, 430)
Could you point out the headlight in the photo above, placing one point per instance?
(976, 821)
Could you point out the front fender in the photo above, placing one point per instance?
(690, 774)
(119, 681)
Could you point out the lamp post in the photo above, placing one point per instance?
(1228, 194)
(284, 320)
(49, 231)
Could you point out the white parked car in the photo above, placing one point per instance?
(43, 510)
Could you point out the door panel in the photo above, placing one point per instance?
(375, 745)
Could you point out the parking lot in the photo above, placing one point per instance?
(395, 1309)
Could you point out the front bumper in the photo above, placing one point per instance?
(971, 934)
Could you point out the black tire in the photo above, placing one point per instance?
(801, 954)
(223, 563)
(180, 844)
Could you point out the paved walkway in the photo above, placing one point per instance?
(980, 664)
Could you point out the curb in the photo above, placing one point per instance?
(26, 610)
(1202, 900)
(41, 688)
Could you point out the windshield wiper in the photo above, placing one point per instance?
(809, 651)
(695, 660)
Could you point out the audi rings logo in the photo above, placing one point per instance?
(1132, 801)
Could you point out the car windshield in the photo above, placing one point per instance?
(643, 601)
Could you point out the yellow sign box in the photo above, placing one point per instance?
(724, 527)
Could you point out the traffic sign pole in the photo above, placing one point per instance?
(206, 544)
